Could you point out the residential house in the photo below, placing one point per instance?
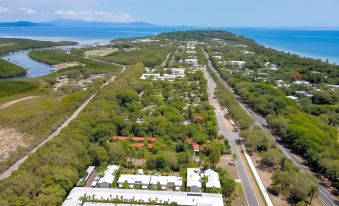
(194, 179)
(212, 179)
(167, 182)
(134, 180)
(109, 175)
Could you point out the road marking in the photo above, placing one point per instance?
(216, 113)
(259, 123)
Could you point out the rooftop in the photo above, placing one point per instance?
(164, 180)
(141, 179)
(193, 177)
(182, 198)
(212, 179)
(109, 174)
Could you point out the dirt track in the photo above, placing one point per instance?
(8, 104)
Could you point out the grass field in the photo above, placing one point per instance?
(9, 88)
(100, 52)
(8, 69)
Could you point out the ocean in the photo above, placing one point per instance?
(315, 43)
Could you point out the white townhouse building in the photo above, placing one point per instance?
(108, 178)
(194, 179)
(167, 182)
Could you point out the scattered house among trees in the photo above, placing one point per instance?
(196, 148)
(191, 61)
(108, 178)
(198, 118)
(194, 179)
(150, 76)
(293, 98)
(239, 63)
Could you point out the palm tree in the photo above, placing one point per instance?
(331, 174)
(313, 191)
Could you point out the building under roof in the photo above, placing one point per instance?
(212, 179)
(132, 180)
(196, 147)
(194, 179)
(167, 182)
(108, 178)
(181, 198)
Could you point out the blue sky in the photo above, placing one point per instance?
(253, 13)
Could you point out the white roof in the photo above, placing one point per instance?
(292, 97)
(131, 179)
(237, 62)
(109, 174)
(180, 71)
(164, 180)
(182, 198)
(217, 57)
(191, 60)
(193, 177)
(89, 171)
(145, 76)
(212, 179)
(301, 82)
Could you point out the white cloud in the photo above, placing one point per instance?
(93, 15)
(4, 10)
(27, 11)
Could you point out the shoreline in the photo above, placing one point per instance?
(305, 55)
(88, 41)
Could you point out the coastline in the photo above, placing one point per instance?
(330, 59)
(260, 35)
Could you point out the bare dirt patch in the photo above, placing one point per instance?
(10, 140)
(67, 65)
(266, 175)
(137, 162)
(227, 162)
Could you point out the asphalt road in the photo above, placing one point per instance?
(326, 197)
(233, 138)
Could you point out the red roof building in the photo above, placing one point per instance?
(138, 139)
(120, 138)
(196, 147)
(198, 118)
(137, 145)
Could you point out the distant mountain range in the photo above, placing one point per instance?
(77, 23)
(22, 24)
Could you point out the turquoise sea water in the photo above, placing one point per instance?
(316, 43)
